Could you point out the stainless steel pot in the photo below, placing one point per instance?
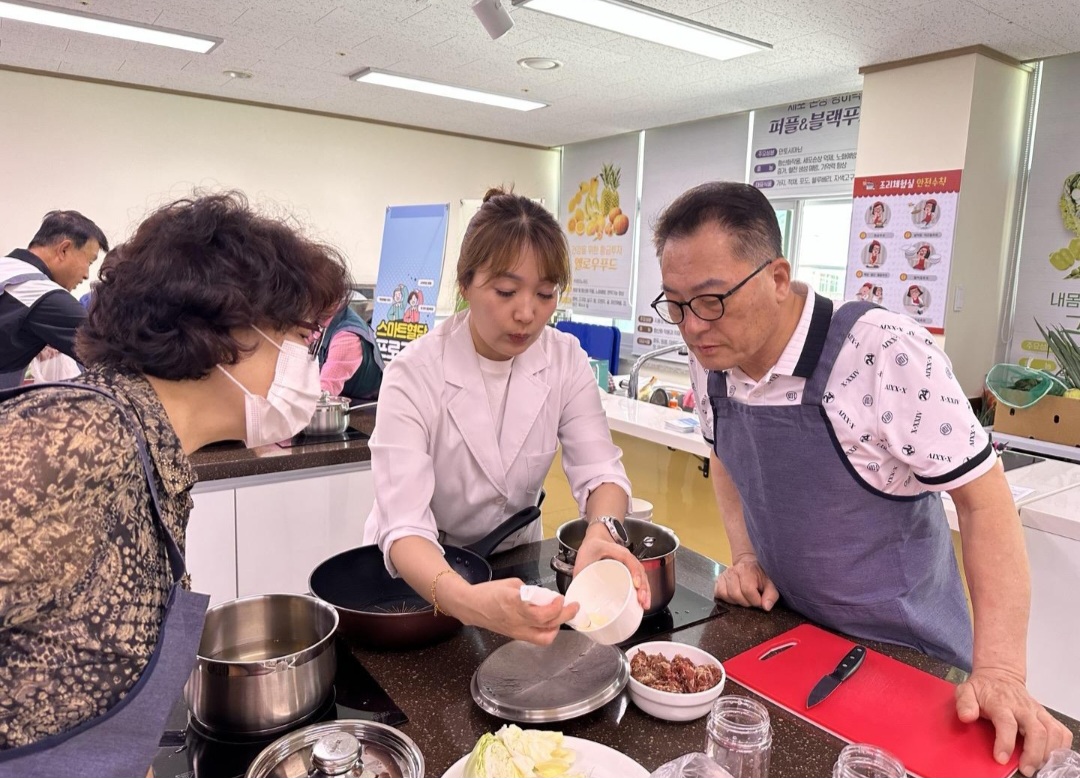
(348, 747)
(264, 663)
(332, 415)
(658, 559)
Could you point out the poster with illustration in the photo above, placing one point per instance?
(901, 243)
(410, 266)
(1048, 274)
(599, 186)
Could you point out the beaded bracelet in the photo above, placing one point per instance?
(434, 599)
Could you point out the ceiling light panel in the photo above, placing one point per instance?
(382, 78)
(101, 25)
(638, 21)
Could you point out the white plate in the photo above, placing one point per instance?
(593, 759)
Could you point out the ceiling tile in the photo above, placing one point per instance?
(302, 54)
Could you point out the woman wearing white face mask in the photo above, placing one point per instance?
(196, 334)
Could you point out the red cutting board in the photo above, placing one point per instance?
(886, 703)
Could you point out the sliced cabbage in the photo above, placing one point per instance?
(490, 758)
(513, 752)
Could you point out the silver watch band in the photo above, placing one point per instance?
(614, 526)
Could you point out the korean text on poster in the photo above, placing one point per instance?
(901, 243)
(806, 148)
(598, 195)
(410, 266)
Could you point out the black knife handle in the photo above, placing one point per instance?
(849, 664)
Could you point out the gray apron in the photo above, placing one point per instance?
(841, 553)
(123, 741)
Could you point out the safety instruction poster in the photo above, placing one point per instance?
(901, 243)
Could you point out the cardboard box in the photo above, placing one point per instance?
(1053, 419)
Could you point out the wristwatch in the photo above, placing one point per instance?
(614, 526)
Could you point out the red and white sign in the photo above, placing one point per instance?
(901, 243)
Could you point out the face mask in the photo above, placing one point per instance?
(291, 401)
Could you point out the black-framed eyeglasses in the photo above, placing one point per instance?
(315, 338)
(707, 307)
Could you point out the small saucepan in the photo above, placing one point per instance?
(658, 558)
(332, 415)
(383, 612)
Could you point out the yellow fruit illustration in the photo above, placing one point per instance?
(1061, 259)
(579, 228)
(613, 213)
(571, 226)
(610, 199)
(579, 215)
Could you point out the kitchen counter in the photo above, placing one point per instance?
(233, 460)
(431, 685)
(648, 422)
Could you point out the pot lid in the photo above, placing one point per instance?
(529, 683)
(328, 749)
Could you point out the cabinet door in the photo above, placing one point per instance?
(284, 530)
(211, 545)
(1053, 629)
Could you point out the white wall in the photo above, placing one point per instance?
(915, 118)
(114, 153)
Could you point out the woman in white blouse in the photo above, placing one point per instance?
(470, 417)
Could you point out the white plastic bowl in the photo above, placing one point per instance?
(673, 706)
(610, 611)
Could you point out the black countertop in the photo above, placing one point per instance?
(431, 685)
(234, 460)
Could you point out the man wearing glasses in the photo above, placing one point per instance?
(834, 431)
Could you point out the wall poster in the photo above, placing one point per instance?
(806, 148)
(598, 208)
(410, 266)
(901, 241)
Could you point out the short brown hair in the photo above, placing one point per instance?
(739, 209)
(506, 224)
(169, 297)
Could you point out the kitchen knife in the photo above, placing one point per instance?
(848, 665)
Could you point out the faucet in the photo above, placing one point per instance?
(632, 383)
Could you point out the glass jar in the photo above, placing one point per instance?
(740, 737)
(860, 760)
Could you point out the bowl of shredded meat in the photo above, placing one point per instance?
(674, 681)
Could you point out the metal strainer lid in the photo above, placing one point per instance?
(573, 676)
(314, 748)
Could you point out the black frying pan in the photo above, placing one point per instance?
(382, 612)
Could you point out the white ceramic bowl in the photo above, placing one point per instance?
(672, 706)
(610, 611)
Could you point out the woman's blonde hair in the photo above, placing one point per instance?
(502, 229)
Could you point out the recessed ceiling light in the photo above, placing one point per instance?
(382, 78)
(237, 74)
(103, 25)
(539, 63)
(637, 21)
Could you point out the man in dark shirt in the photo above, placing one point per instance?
(36, 305)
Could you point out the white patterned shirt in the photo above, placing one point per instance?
(899, 414)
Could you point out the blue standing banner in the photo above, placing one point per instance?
(410, 266)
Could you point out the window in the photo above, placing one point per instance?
(819, 246)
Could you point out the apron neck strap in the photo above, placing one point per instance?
(176, 559)
(839, 327)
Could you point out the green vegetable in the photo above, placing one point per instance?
(1070, 203)
(489, 759)
(513, 752)
(1060, 342)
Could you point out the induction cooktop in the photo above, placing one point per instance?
(188, 751)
